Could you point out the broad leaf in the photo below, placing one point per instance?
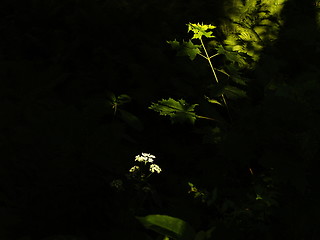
(200, 30)
(171, 227)
(189, 49)
(186, 48)
(174, 44)
(179, 111)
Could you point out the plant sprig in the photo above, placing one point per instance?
(192, 50)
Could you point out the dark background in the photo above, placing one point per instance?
(61, 145)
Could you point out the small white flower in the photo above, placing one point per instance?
(155, 168)
(134, 168)
(141, 158)
(148, 155)
(150, 158)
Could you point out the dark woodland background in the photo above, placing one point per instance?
(61, 145)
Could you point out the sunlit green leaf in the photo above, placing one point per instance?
(179, 111)
(200, 30)
(213, 101)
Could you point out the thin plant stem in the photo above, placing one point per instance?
(212, 119)
(215, 75)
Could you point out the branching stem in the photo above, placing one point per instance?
(214, 73)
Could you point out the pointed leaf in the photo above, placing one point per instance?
(186, 48)
(179, 111)
(200, 30)
(189, 49)
(213, 101)
(174, 44)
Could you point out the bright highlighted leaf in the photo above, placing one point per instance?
(213, 101)
(171, 227)
(200, 30)
(179, 111)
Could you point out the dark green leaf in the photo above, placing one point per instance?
(174, 44)
(234, 92)
(123, 98)
(189, 49)
(131, 120)
(186, 48)
(172, 227)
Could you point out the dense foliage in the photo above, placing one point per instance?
(225, 94)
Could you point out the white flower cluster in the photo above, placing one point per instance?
(146, 158)
(155, 168)
(134, 168)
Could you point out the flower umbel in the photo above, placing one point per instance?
(134, 169)
(155, 168)
(146, 157)
(149, 156)
(140, 158)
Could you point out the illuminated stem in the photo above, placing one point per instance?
(202, 55)
(212, 119)
(208, 58)
(214, 73)
(215, 55)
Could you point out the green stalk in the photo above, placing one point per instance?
(212, 119)
(215, 75)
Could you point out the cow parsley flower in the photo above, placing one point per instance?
(139, 171)
(141, 158)
(146, 157)
(149, 156)
(134, 169)
(155, 168)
